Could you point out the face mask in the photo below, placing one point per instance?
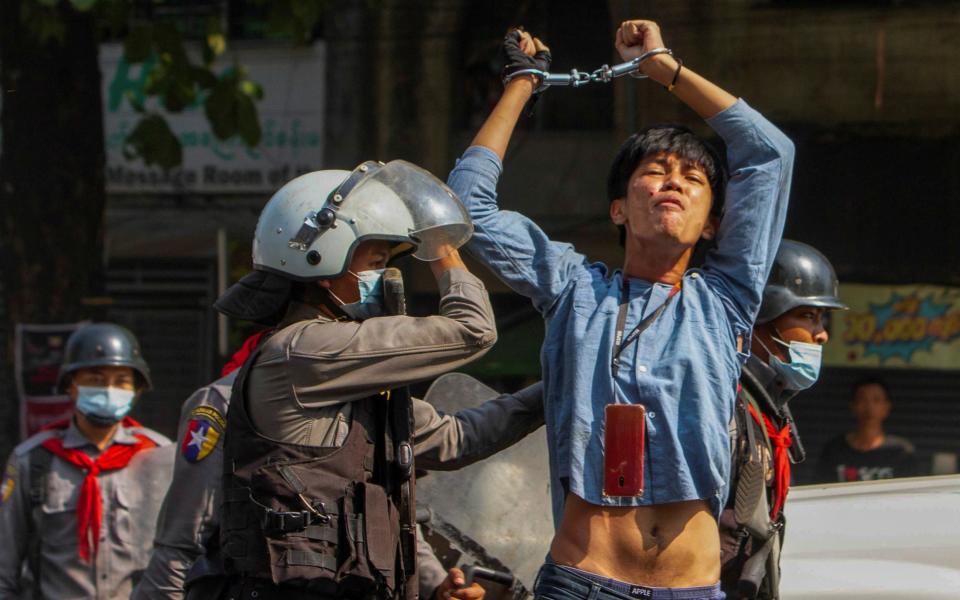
(803, 370)
(104, 405)
(370, 284)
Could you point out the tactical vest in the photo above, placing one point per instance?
(750, 540)
(323, 520)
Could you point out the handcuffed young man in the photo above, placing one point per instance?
(655, 333)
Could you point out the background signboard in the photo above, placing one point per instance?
(906, 327)
(38, 355)
(291, 119)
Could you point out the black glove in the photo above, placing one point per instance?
(517, 60)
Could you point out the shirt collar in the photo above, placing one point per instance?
(299, 311)
(768, 378)
(73, 438)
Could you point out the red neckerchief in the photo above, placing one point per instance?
(240, 356)
(781, 471)
(89, 509)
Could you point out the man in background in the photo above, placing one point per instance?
(868, 452)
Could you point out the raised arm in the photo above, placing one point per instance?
(637, 37)
(759, 163)
(510, 244)
(520, 48)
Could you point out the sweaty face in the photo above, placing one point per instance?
(668, 201)
(870, 403)
(801, 324)
(369, 255)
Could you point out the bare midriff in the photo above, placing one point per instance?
(666, 545)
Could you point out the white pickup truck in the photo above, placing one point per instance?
(895, 538)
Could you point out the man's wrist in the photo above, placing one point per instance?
(525, 83)
(660, 68)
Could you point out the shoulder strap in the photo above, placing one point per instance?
(35, 441)
(756, 407)
(41, 461)
(401, 417)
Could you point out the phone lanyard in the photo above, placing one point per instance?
(619, 343)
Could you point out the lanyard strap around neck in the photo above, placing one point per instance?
(619, 342)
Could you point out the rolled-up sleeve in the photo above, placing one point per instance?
(510, 244)
(760, 162)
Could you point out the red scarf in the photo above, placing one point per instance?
(240, 356)
(781, 471)
(89, 509)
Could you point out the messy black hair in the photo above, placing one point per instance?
(674, 139)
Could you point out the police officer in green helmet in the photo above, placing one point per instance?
(317, 481)
(785, 359)
(79, 496)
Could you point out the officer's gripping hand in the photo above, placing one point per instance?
(451, 587)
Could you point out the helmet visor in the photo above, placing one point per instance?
(401, 195)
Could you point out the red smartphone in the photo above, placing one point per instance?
(623, 441)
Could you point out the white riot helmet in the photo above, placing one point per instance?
(311, 226)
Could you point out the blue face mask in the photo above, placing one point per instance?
(803, 370)
(370, 284)
(104, 405)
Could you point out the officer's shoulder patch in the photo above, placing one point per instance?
(204, 430)
(8, 482)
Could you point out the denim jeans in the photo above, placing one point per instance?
(556, 582)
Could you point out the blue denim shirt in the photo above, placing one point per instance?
(684, 368)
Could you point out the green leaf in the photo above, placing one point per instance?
(138, 44)
(231, 111)
(156, 80)
(154, 142)
(169, 42)
(178, 95)
(251, 89)
(134, 101)
(248, 121)
(204, 77)
(83, 5)
(216, 41)
(221, 110)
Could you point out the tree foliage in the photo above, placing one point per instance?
(181, 70)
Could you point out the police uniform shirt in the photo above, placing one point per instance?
(130, 499)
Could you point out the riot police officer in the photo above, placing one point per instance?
(190, 517)
(80, 497)
(317, 481)
(785, 359)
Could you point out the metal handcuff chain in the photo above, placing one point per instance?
(575, 78)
